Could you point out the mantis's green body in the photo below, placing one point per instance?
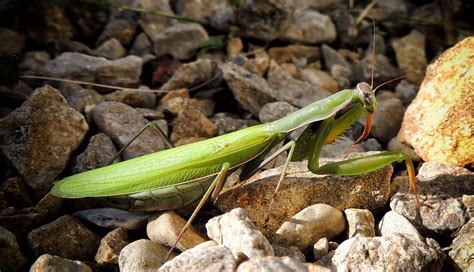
(172, 178)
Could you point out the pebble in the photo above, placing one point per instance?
(406, 92)
(16, 193)
(291, 251)
(309, 225)
(11, 258)
(65, 237)
(192, 123)
(360, 223)
(142, 255)
(309, 26)
(110, 247)
(48, 262)
(99, 152)
(33, 61)
(141, 45)
(12, 42)
(384, 69)
(462, 248)
(274, 111)
(320, 79)
(219, 14)
(395, 145)
(84, 100)
(387, 119)
(295, 53)
(320, 248)
(371, 144)
(393, 223)
(165, 228)
(411, 56)
(191, 74)
(333, 57)
(111, 49)
(236, 231)
(111, 218)
(136, 99)
(226, 123)
(207, 256)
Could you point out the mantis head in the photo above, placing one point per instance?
(367, 98)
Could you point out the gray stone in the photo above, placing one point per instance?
(270, 263)
(38, 140)
(191, 75)
(98, 153)
(226, 123)
(121, 26)
(320, 79)
(110, 49)
(236, 231)
(371, 144)
(291, 251)
(218, 13)
(462, 248)
(11, 258)
(180, 40)
(395, 145)
(142, 255)
(406, 92)
(383, 70)
(394, 223)
(333, 57)
(274, 111)
(33, 61)
(136, 99)
(141, 46)
(47, 262)
(360, 223)
(411, 56)
(309, 26)
(387, 119)
(111, 218)
(84, 101)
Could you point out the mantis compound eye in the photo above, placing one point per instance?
(367, 96)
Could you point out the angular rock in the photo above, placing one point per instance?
(191, 75)
(180, 40)
(226, 123)
(38, 140)
(192, 123)
(309, 26)
(121, 26)
(121, 122)
(437, 123)
(468, 201)
(150, 22)
(291, 251)
(218, 13)
(111, 218)
(136, 99)
(111, 49)
(393, 223)
(320, 79)
(33, 61)
(207, 256)
(384, 70)
(11, 258)
(333, 57)
(110, 247)
(270, 263)
(165, 228)
(395, 145)
(15, 193)
(320, 248)
(301, 188)
(309, 225)
(142, 255)
(360, 223)
(120, 72)
(48, 262)
(371, 144)
(84, 100)
(391, 253)
(65, 237)
(462, 248)
(99, 152)
(411, 56)
(236, 231)
(141, 46)
(294, 53)
(387, 119)
(274, 111)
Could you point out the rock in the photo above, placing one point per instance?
(320, 248)
(236, 231)
(206, 106)
(291, 251)
(234, 47)
(389, 9)
(440, 188)
(391, 253)
(15, 193)
(468, 201)
(141, 46)
(226, 123)
(38, 140)
(360, 223)
(259, 63)
(191, 75)
(180, 40)
(395, 145)
(301, 188)
(121, 122)
(20, 91)
(292, 90)
(120, 72)
(121, 26)
(98, 153)
(192, 123)
(207, 256)
(320, 79)
(150, 22)
(309, 225)
(406, 92)
(153, 115)
(383, 70)
(142, 255)
(393, 223)
(342, 75)
(111, 49)
(136, 99)
(110, 247)
(84, 100)
(47, 262)
(274, 111)
(339, 148)
(165, 228)
(462, 248)
(295, 53)
(250, 90)
(33, 61)
(264, 20)
(64, 237)
(270, 263)
(387, 119)
(437, 123)
(219, 14)
(12, 42)
(111, 218)
(309, 26)
(371, 144)
(333, 57)
(11, 258)
(411, 56)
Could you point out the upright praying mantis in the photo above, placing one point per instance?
(178, 176)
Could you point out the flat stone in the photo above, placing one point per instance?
(111, 218)
(226, 123)
(274, 111)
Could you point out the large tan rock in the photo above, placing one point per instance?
(439, 123)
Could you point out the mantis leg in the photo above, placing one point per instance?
(217, 184)
(148, 125)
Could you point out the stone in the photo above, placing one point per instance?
(121, 122)
(270, 263)
(300, 189)
(437, 123)
(121, 26)
(12, 42)
(84, 100)
(406, 92)
(111, 218)
(150, 22)
(291, 251)
(371, 144)
(38, 140)
(387, 119)
(165, 228)
(384, 70)
(309, 26)
(48, 262)
(259, 63)
(217, 13)
(98, 153)
(320, 248)
(468, 201)
(390, 253)
(141, 45)
(136, 99)
(333, 57)
(411, 56)
(65, 237)
(110, 247)
(11, 257)
(111, 49)
(309, 225)
(16, 193)
(33, 61)
(249, 89)
(274, 111)
(320, 79)
(393, 223)
(207, 256)
(294, 53)
(360, 223)
(395, 145)
(192, 123)
(142, 255)
(462, 248)
(191, 74)
(234, 47)
(227, 123)
(180, 40)
(236, 231)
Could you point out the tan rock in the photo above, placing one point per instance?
(439, 123)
